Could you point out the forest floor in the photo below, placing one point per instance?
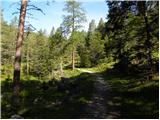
(96, 107)
(122, 96)
(84, 93)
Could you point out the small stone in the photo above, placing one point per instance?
(16, 117)
(90, 102)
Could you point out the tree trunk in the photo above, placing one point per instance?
(61, 67)
(28, 60)
(148, 48)
(17, 62)
(73, 48)
(73, 59)
(27, 64)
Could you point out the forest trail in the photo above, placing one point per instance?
(84, 70)
(96, 107)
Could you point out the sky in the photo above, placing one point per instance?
(95, 9)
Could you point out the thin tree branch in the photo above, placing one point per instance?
(33, 7)
(15, 13)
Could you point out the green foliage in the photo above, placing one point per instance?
(85, 58)
(127, 43)
(76, 16)
(101, 28)
(38, 61)
(59, 99)
(71, 73)
(129, 36)
(72, 23)
(93, 48)
(8, 35)
(96, 47)
(134, 98)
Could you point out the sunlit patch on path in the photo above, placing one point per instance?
(96, 107)
(84, 70)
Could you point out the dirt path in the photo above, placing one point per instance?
(84, 70)
(96, 107)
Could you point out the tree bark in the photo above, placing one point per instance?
(73, 48)
(17, 61)
(143, 11)
(61, 67)
(27, 64)
(148, 48)
(28, 60)
(73, 59)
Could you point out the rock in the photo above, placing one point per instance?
(36, 100)
(15, 116)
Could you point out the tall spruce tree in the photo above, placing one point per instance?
(91, 30)
(130, 35)
(143, 8)
(101, 28)
(73, 21)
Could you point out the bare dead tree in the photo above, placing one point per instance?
(25, 7)
(17, 61)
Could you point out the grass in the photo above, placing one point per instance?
(132, 98)
(101, 67)
(71, 73)
(50, 99)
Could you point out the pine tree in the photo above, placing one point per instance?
(129, 35)
(8, 33)
(116, 34)
(101, 28)
(72, 22)
(91, 30)
(17, 62)
(96, 48)
(52, 32)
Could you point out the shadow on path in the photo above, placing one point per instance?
(96, 107)
(53, 99)
(88, 95)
